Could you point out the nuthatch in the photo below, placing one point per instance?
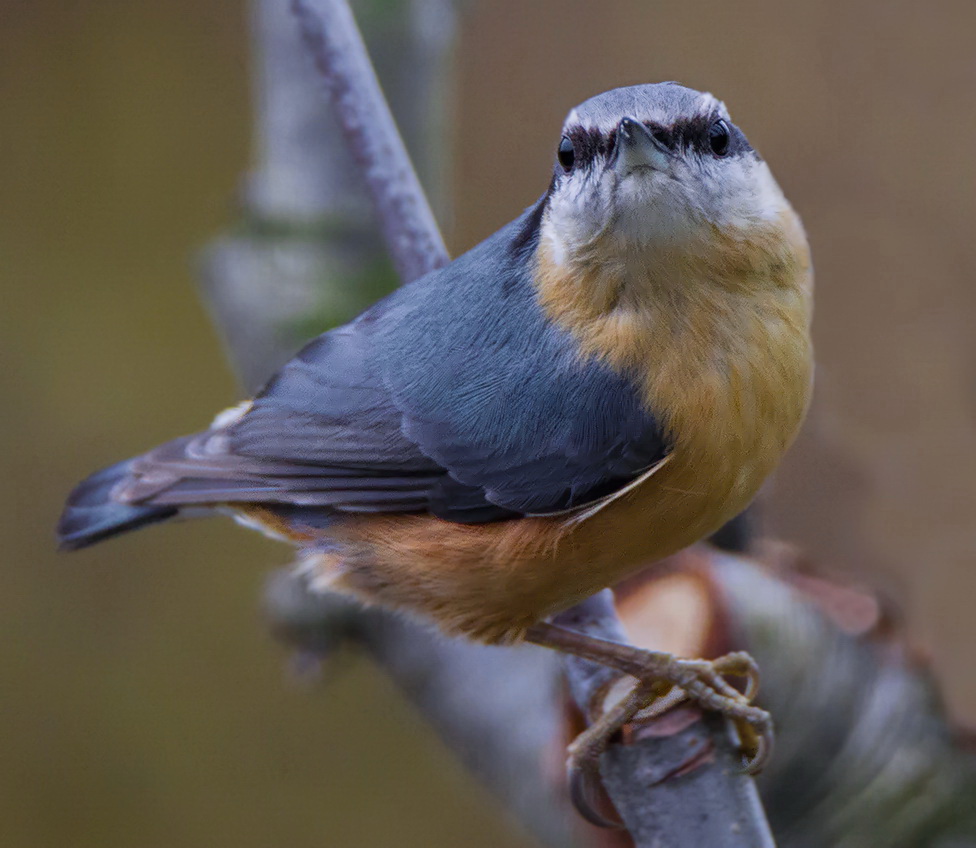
(602, 382)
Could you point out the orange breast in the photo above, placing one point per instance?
(491, 581)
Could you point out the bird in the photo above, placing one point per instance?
(602, 382)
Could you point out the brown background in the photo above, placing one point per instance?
(142, 702)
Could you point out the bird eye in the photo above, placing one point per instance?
(719, 138)
(566, 154)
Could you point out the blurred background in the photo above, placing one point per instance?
(143, 701)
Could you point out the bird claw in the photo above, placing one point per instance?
(756, 743)
(739, 664)
(586, 793)
(663, 683)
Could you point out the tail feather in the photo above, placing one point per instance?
(91, 515)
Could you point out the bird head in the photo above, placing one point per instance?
(658, 169)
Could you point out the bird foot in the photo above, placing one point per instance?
(663, 682)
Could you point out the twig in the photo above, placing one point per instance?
(295, 262)
(412, 237)
(498, 709)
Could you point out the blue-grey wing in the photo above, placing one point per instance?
(504, 400)
(454, 396)
(323, 432)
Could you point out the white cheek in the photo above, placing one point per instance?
(675, 211)
(578, 213)
(736, 195)
(654, 208)
(746, 195)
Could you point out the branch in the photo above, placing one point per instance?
(866, 755)
(412, 237)
(498, 709)
(680, 780)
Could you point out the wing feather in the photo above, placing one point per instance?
(454, 396)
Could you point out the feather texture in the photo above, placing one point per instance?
(455, 396)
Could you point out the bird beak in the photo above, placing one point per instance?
(637, 148)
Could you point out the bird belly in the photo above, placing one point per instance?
(490, 582)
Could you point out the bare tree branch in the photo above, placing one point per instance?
(499, 709)
(866, 757)
(412, 237)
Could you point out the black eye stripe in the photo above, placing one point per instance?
(684, 135)
(663, 135)
(589, 142)
(696, 134)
